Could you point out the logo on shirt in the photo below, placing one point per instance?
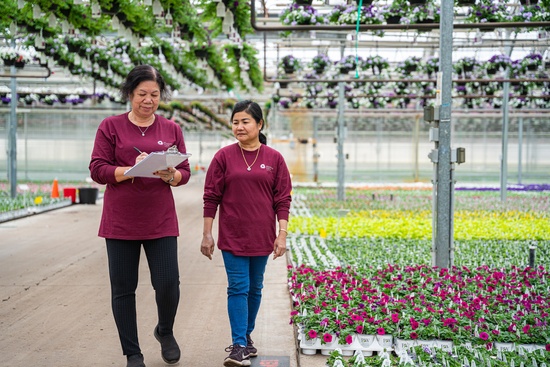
(268, 168)
(164, 144)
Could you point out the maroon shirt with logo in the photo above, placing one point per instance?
(250, 202)
(144, 208)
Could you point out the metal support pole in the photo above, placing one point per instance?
(504, 154)
(340, 138)
(315, 153)
(531, 257)
(520, 147)
(12, 133)
(444, 195)
(505, 122)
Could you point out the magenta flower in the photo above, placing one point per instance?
(414, 323)
(483, 335)
(380, 331)
(395, 318)
(414, 335)
(449, 322)
(327, 338)
(359, 329)
(526, 329)
(312, 334)
(349, 339)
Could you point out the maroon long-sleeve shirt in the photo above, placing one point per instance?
(142, 208)
(249, 201)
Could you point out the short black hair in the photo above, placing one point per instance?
(254, 110)
(143, 73)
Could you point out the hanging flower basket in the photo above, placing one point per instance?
(393, 19)
(320, 62)
(201, 53)
(9, 62)
(290, 64)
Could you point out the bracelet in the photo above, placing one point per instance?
(284, 230)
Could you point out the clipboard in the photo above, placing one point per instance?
(157, 161)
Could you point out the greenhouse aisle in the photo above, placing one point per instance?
(55, 308)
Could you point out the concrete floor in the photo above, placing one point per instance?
(55, 296)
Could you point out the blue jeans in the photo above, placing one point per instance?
(245, 278)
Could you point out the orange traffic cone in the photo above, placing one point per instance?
(55, 189)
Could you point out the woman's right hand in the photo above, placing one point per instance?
(207, 246)
(141, 157)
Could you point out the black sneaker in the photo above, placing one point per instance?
(170, 351)
(135, 360)
(237, 356)
(251, 351)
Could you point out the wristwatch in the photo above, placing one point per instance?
(170, 180)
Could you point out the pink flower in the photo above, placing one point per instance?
(414, 323)
(293, 313)
(359, 329)
(483, 335)
(495, 332)
(349, 339)
(312, 334)
(327, 338)
(449, 322)
(380, 331)
(526, 329)
(547, 347)
(395, 318)
(414, 335)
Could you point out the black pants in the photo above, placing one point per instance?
(162, 257)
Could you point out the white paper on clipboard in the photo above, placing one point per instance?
(157, 161)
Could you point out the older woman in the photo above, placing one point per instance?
(140, 211)
(250, 183)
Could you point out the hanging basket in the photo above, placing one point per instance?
(9, 62)
(289, 69)
(393, 19)
(201, 53)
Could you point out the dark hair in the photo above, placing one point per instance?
(254, 110)
(143, 73)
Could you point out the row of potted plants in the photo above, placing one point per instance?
(412, 12)
(376, 64)
(459, 356)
